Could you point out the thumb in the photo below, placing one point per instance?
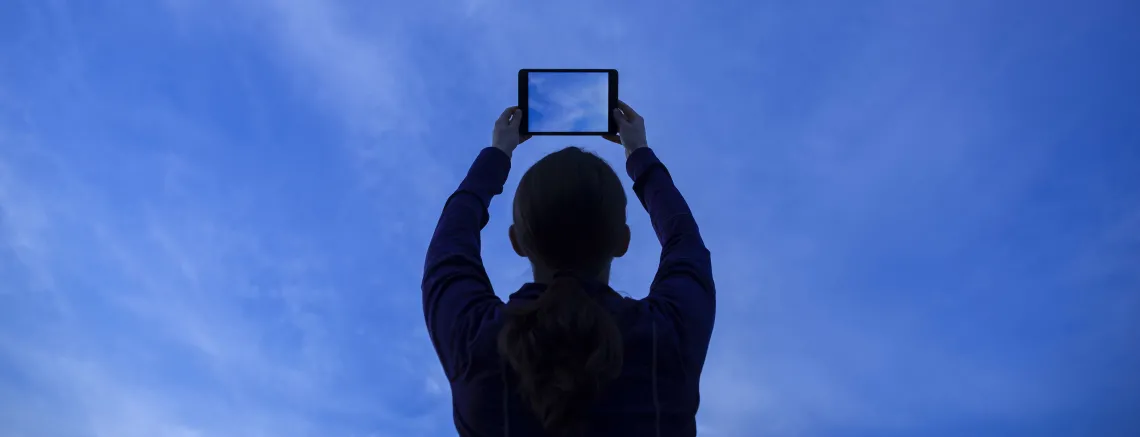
(505, 117)
(620, 117)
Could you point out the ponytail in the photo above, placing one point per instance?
(563, 347)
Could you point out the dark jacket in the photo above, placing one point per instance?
(666, 334)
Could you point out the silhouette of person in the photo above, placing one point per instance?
(566, 354)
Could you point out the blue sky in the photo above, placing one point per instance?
(568, 102)
(924, 216)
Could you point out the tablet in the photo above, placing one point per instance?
(568, 101)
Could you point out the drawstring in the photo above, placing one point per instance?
(506, 405)
(656, 401)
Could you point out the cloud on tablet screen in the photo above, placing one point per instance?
(568, 102)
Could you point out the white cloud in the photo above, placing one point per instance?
(148, 235)
(570, 101)
(168, 271)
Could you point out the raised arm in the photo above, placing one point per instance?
(456, 290)
(683, 287)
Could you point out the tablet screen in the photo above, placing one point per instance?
(573, 101)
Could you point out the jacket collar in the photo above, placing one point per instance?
(593, 287)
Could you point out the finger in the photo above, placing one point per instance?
(506, 115)
(620, 117)
(612, 138)
(516, 116)
(633, 115)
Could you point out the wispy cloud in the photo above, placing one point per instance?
(212, 214)
(568, 102)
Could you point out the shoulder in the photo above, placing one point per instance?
(479, 350)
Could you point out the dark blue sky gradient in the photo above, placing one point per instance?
(924, 216)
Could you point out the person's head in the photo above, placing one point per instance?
(569, 217)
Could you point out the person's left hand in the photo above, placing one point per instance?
(506, 134)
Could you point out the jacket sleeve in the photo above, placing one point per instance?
(683, 287)
(457, 293)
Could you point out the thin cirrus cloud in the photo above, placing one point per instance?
(568, 102)
(212, 215)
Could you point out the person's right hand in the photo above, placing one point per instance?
(631, 129)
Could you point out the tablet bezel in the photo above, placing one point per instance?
(524, 99)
